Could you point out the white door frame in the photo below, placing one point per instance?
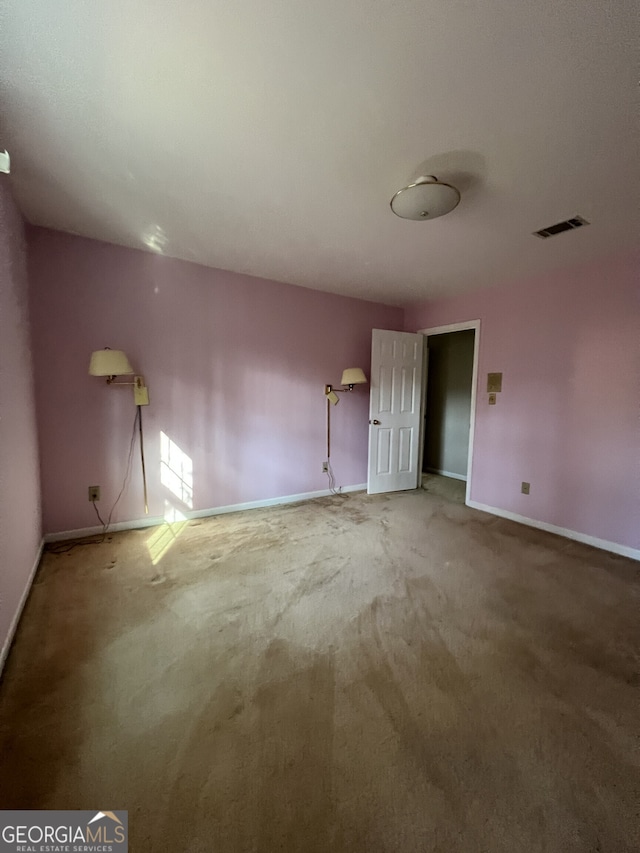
(443, 330)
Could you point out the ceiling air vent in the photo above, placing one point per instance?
(559, 227)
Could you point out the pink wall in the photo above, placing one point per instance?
(568, 418)
(235, 367)
(20, 532)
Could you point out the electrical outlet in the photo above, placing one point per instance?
(524, 488)
(94, 493)
(325, 467)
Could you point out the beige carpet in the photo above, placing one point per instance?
(388, 673)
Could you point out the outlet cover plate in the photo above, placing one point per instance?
(94, 493)
(525, 488)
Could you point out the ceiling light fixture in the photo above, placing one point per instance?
(427, 198)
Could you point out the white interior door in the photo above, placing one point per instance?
(394, 411)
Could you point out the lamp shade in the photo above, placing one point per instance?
(109, 362)
(354, 376)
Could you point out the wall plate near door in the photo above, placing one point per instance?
(494, 382)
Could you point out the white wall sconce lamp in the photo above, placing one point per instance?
(113, 363)
(351, 377)
(110, 363)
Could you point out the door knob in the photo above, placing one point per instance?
(375, 423)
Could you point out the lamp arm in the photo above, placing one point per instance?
(330, 388)
(138, 381)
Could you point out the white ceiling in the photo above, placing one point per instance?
(268, 138)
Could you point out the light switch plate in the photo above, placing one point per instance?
(494, 382)
(492, 399)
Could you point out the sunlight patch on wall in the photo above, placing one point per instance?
(176, 470)
(166, 535)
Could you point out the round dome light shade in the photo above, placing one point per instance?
(428, 198)
(354, 376)
(109, 362)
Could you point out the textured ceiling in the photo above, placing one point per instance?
(268, 138)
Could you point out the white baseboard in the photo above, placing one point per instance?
(447, 474)
(13, 627)
(81, 532)
(138, 523)
(603, 544)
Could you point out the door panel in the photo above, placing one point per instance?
(394, 411)
(384, 452)
(408, 390)
(404, 455)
